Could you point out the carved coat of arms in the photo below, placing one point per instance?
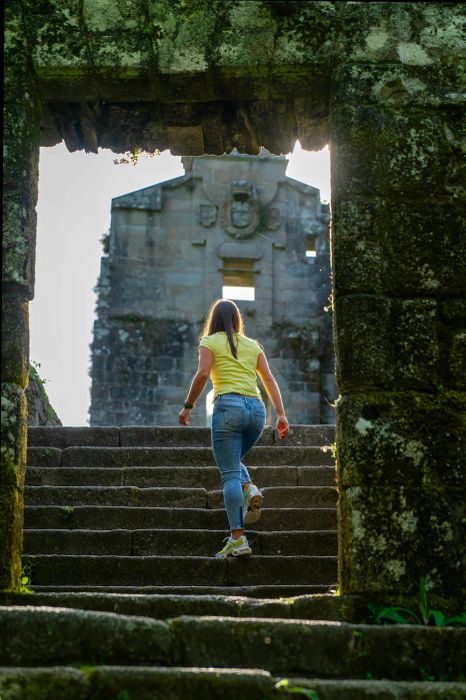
(207, 214)
(240, 213)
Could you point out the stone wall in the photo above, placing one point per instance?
(382, 83)
(170, 248)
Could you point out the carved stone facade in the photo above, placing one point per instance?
(230, 221)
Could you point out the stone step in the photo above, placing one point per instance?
(172, 456)
(101, 570)
(331, 649)
(274, 497)
(110, 517)
(178, 683)
(183, 477)
(298, 648)
(174, 542)
(157, 436)
(260, 591)
(163, 606)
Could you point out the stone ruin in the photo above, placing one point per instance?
(233, 225)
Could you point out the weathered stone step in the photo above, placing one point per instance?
(329, 650)
(301, 648)
(287, 497)
(106, 683)
(164, 571)
(274, 497)
(165, 436)
(177, 683)
(110, 517)
(183, 477)
(116, 495)
(163, 606)
(260, 591)
(174, 542)
(171, 456)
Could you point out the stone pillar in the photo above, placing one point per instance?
(21, 148)
(399, 262)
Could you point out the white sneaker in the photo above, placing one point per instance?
(252, 501)
(234, 548)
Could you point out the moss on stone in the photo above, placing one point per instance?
(15, 339)
(13, 465)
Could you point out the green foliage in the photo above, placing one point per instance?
(284, 685)
(25, 579)
(34, 373)
(68, 512)
(421, 615)
(132, 157)
(122, 695)
(86, 668)
(358, 643)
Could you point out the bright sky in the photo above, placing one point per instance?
(73, 211)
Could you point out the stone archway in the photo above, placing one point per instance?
(378, 82)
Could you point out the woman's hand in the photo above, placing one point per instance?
(183, 416)
(283, 427)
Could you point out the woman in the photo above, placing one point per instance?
(232, 360)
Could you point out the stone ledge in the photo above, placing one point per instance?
(40, 636)
(177, 683)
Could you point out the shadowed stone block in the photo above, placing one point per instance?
(402, 438)
(143, 683)
(15, 340)
(393, 536)
(398, 248)
(321, 649)
(393, 153)
(387, 342)
(401, 471)
(458, 361)
(73, 636)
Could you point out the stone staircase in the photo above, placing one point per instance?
(140, 509)
(120, 530)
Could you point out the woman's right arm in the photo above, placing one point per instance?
(273, 392)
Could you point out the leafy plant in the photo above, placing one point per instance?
(134, 155)
(24, 587)
(34, 368)
(284, 685)
(25, 580)
(421, 615)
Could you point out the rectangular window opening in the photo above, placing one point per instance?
(238, 279)
(311, 251)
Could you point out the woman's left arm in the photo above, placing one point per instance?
(198, 383)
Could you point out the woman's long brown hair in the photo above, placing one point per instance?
(225, 316)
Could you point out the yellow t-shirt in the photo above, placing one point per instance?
(229, 374)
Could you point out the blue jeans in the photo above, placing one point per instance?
(237, 424)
